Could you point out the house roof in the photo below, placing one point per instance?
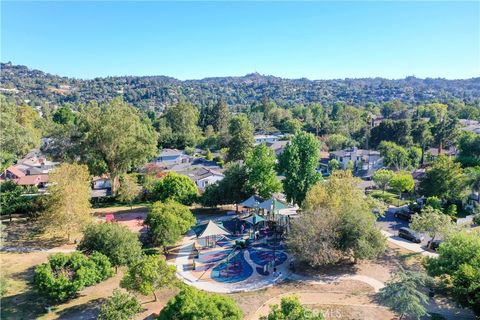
(278, 145)
(16, 171)
(170, 153)
(203, 173)
(449, 152)
(359, 152)
(32, 180)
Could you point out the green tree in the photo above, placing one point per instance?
(64, 115)
(115, 138)
(397, 132)
(182, 121)
(241, 141)
(445, 132)
(394, 156)
(168, 221)
(233, 188)
(64, 275)
(209, 156)
(333, 165)
(129, 190)
(337, 141)
(458, 266)
(292, 126)
(422, 136)
(10, 197)
(337, 223)
(192, 304)
(291, 309)
(68, 203)
(221, 116)
(432, 221)
(402, 181)
(120, 306)
(117, 242)
(445, 180)
(404, 294)
(175, 187)
(469, 149)
(18, 128)
(262, 177)
(148, 275)
(299, 163)
(382, 178)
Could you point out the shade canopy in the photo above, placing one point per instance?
(254, 219)
(252, 202)
(273, 204)
(212, 229)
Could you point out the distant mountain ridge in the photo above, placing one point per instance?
(157, 92)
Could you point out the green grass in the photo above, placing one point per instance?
(388, 198)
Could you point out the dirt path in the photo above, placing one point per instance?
(335, 305)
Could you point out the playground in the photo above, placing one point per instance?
(237, 252)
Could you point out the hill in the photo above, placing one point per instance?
(156, 92)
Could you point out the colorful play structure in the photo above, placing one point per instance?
(248, 244)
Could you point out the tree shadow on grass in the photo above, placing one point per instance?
(89, 310)
(25, 305)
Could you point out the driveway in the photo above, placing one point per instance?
(390, 225)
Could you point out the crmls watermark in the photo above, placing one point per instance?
(332, 314)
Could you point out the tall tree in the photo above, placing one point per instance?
(422, 136)
(404, 294)
(241, 141)
(389, 130)
(129, 189)
(299, 164)
(337, 223)
(262, 176)
(182, 119)
(148, 275)
(445, 179)
(221, 116)
(394, 156)
(445, 132)
(68, 203)
(168, 221)
(115, 138)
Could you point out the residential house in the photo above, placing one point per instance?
(102, 182)
(278, 146)
(204, 177)
(267, 138)
(171, 156)
(365, 162)
(12, 173)
(432, 153)
(470, 125)
(38, 180)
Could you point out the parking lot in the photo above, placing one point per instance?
(391, 225)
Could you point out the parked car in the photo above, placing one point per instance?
(404, 215)
(434, 244)
(410, 235)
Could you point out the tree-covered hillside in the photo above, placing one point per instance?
(157, 92)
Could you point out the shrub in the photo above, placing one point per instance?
(120, 306)
(290, 308)
(115, 241)
(476, 219)
(192, 304)
(64, 275)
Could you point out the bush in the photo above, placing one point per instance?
(115, 241)
(120, 306)
(64, 275)
(192, 304)
(290, 308)
(476, 219)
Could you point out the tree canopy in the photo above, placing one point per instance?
(176, 187)
(262, 176)
(68, 202)
(291, 309)
(117, 242)
(191, 304)
(299, 163)
(168, 221)
(120, 306)
(241, 138)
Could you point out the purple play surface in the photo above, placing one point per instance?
(235, 270)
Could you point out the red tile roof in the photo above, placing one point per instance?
(32, 180)
(14, 170)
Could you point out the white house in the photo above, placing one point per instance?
(204, 177)
(267, 138)
(363, 160)
(171, 156)
(99, 183)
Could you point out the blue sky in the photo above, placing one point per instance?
(191, 40)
